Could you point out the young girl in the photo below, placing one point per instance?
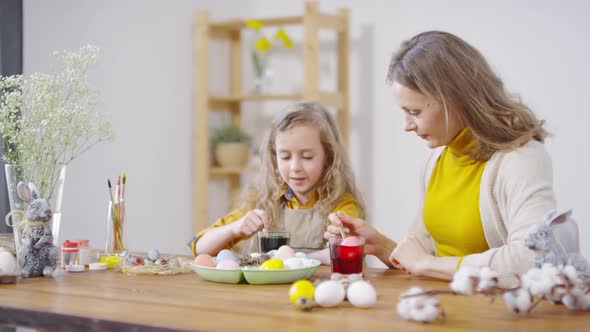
(305, 175)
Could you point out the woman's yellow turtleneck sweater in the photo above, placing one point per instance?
(451, 205)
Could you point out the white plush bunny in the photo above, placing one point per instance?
(542, 240)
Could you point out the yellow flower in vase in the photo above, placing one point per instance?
(261, 50)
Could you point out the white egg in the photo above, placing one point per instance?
(272, 253)
(293, 263)
(7, 262)
(307, 262)
(361, 294)
(329, 294)
(285, 252)
(225, 255)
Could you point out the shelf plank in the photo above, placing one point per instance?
(217, 171)
(225, 102)
(238, 24)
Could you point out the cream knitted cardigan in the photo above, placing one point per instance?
(516, 191)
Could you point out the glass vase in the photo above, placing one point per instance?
(115, 232)
(35, 195)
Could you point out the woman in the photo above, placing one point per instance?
(489, 180)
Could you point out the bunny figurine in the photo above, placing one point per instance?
(542, 240)
(37, 254)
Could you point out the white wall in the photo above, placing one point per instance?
(145, 80)
(538, 47)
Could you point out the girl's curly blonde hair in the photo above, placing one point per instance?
(449, 70)
(337, 178)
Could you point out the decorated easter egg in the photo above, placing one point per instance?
(205, 260)
(350, 241)
(300, 254)
(225, 255)
(228, 265)
(153, 255)
(7, 262)
(329, 294)
(285, 252)
(301, 288)
(361, 294)
(273, 264)
(293, 263)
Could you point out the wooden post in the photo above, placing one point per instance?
(343, 75)
(235, 108)
(200, 121)
(311, 48)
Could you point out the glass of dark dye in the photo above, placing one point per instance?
(347, 255)
(268, 241)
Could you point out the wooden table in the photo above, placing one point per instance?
(109, 300)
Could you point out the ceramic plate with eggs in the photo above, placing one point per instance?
(280, 266)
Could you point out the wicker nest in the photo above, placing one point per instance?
(168, 266)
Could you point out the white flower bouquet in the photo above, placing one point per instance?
(47, 120)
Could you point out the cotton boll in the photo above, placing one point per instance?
(519, 300)
(293, 263)
(329, 294)
(488, 279)
(465, 280)
(361, 294)
(577, 299)
(421, 308)
(7, 262)
(543, 282)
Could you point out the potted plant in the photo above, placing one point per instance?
(231, 146)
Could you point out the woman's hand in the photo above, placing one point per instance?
(375, 243)
(249, 224)
(411, 256)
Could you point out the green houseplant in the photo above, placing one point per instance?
(231, 146)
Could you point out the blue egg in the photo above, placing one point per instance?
(153, 254)
(225, 255)
(300, 255)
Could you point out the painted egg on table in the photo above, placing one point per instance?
(293, 263)
(228, 265)
(7, 262)
(205, 260)
(361, 294)
(273, 264)
(285, 252)
(329, 294)
(301, 288)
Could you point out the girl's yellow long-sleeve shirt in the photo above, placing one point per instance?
(451, 205)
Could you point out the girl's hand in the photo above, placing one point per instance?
(410, 255)
(251, 223)
(353, 226)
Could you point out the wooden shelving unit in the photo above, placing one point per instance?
(312, 21)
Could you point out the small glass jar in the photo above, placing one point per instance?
(69, 254)
(84, 252)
